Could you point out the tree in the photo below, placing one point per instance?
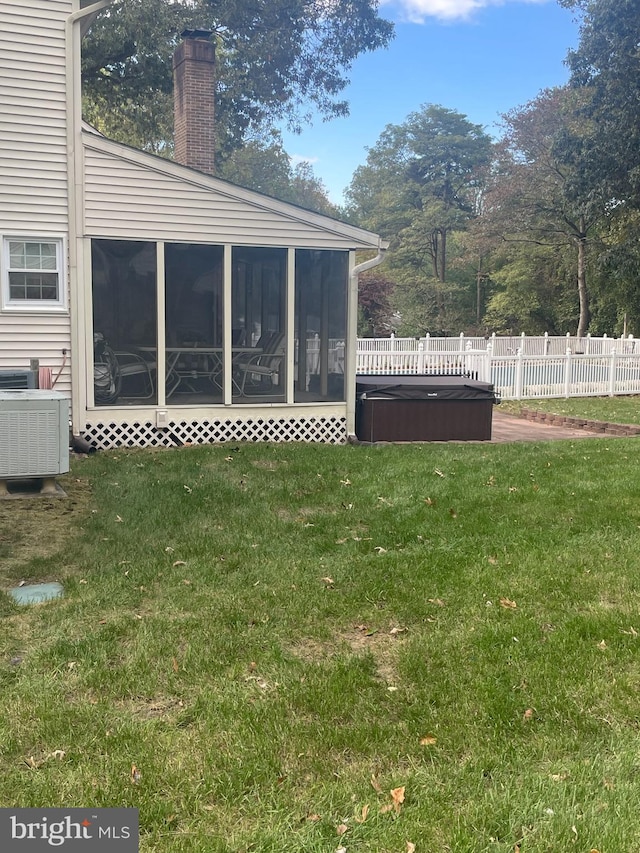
(274, 59)
(419, 186)
(263, 165)
(544, 190)
(375, 316)
(606, 65)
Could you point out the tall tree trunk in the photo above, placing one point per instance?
(479, 277)
(443, 255)
(585, 313)
(435, 253)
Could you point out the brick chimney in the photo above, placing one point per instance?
(194, 97)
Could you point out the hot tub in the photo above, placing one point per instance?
(423, 408)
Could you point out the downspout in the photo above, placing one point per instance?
(352, 355)
(75, 190)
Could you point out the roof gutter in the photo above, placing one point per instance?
(352, 354)
(75, 167)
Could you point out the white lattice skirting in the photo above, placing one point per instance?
(108, 434)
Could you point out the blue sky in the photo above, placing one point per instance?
(479, 57)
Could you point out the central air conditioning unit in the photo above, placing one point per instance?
(34, 434)
(10, 379)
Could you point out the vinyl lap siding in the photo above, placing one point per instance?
(33, 165)
(33, 189)
(128, 201)
(23, 337)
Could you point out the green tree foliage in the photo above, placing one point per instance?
(263, 165)
(542, 191)
(275, 60)
(606, 64)
(419, 187)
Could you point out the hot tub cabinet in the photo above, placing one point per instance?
(423, 408)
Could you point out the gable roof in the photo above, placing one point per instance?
(121, 179)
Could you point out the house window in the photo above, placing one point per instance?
(33, 278)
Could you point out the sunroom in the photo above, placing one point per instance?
(182, 324)
(209, 312)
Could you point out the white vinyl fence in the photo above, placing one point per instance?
(518, 367)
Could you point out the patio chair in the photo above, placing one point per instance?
(133, 363)
(261, 372)
(111, 367)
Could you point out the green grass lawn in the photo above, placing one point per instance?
(621, 410)
(259, 644)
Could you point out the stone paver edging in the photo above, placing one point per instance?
(579, 423)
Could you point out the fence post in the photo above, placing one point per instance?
(461, 341)
(487, 363)
(427, 340)
(567, 373)
(420, 358)
(612, 373)
(546, 343)
(519, 366)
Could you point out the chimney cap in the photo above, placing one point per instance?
(197, 34)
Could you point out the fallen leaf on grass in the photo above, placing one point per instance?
(452, 512)
(118, 518)
(187, 489)
(428, 740)
(508, 604)
(397, 798)
(341, 828)
(438, 472)
(437, 601)
(631, 632)
(346, 482)
(136, 775)
(313, 817)
(411, 847)
(363, 814)
(380, 549)
(179, 563)
(528, 715)
(602, 645)
(375, 784)
(328, 581)
(174, 665)
(395, 631)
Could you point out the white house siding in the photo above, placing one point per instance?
(23, 337)
(141, 200)
(33, 189)
(33, 163)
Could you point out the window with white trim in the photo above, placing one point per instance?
(33, 274)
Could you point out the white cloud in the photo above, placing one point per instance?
(300, 158)
(417, 11)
